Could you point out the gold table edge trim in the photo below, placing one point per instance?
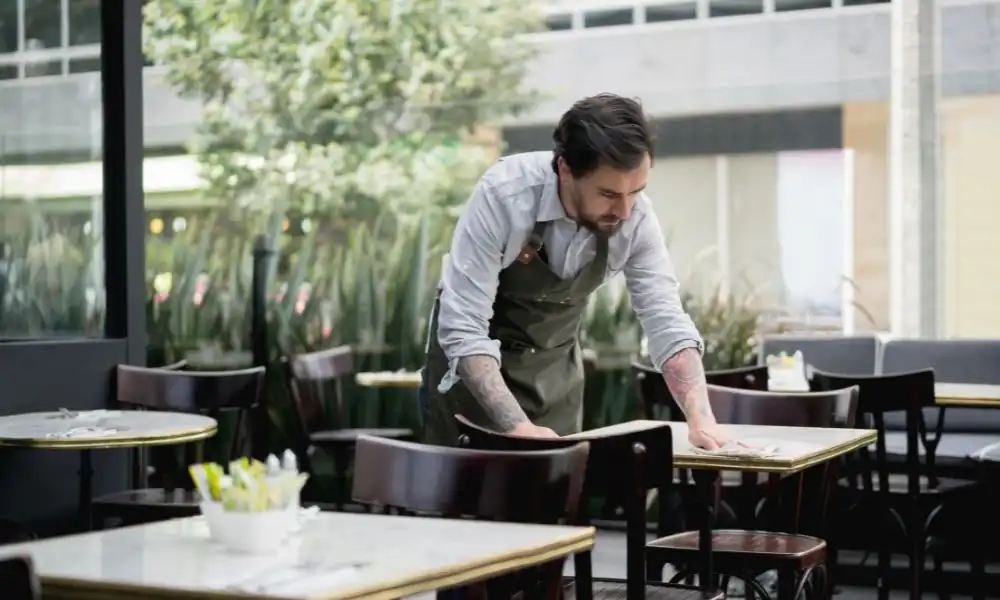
(191, 435)
(461, 574)
(967, 402)
(770, 465)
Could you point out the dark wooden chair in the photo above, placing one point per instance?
(18, 580)
(739, 499)
(524, 487)
(898, 496)
(324, 418)
(655, 395)
(746, 554)
(215, 394)
(634, 461)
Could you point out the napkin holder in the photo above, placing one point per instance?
(787, 373)
(250, 532)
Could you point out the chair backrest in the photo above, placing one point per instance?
(653, 390)
(620, 465)
(841, 354)
(790, 409)
(908, 395)
(525, 487)
(953, 361)
(201, 392)
(807, 409)
(18, 580)
(309, 379)
(226, 396)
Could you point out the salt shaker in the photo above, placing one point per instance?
(290, 468)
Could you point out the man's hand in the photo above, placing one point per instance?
(685, 376)
(708, 436)
(529, 429)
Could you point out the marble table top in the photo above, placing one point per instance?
(967, 394)
(796, 448)
(337, 556)
(386, 379)
(103, 429)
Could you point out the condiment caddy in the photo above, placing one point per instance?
(255, 506)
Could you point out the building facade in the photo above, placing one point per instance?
(772, 174)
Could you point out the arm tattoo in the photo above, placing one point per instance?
(481, 375)
(685, 376)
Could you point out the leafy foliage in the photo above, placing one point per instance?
(344, 107)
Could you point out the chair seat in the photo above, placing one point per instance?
(613, 589)
(150, 504)
(350, 436)
(734, 548)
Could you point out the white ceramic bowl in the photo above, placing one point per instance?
(252, 533)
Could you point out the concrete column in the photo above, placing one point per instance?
(913, 160)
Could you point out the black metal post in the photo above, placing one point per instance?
(259, 341)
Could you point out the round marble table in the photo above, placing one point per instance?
(99, 429)
(389, 379)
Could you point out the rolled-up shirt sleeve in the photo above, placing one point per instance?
(655, 294)
(469, 282)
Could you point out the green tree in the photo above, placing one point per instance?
(342, 107)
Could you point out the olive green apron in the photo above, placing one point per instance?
(536, 318)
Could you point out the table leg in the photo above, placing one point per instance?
(86, 475)
(708, 484)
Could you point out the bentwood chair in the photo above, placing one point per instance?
(18, 580)
(316, 386)
(631, 459)
(217, 394)
(524, 487)
(747, 554)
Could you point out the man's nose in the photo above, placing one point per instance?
(622, 209)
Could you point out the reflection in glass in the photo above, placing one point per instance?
(42, 24)
(84, 22)
(51, 199)
(8, 27)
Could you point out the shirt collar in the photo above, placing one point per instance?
(549, 206)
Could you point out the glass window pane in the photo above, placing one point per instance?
(683, 193)
(559, 22)
(42, 24)
(84, 22)
(51, 206)
(8, 27)
(732, 8)
(674, 11)
(608, 18)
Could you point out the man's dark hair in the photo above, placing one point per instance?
(606, 129)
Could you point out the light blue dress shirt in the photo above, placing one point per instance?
(514, 194)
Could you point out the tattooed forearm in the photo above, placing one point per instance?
(481, 374)
(685, 376)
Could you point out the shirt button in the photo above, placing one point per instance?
(531, 350)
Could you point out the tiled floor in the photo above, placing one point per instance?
(609, 561)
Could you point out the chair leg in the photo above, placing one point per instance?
(583, 575)
(883, 574)
(654, 570)
(786, 584)
(942, 591)
(977, 570)
(341, 463)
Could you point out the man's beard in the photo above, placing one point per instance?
(600, 226)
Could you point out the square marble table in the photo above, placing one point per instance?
(798, 448)
(971, 395)
(336, 556)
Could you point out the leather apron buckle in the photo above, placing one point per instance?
(531, 249)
